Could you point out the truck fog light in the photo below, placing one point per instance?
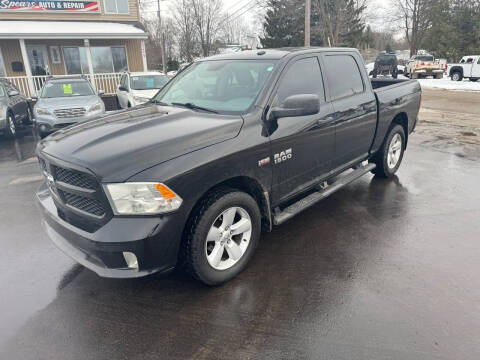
(131, 260)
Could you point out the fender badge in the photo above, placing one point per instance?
(264, 162)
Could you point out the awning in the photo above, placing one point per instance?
(68, 30)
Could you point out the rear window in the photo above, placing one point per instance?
(344, 77)
(66, 89)
(424, 58)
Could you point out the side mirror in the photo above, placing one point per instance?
(101, 92)
(34, 97)
(122, 88)
(297, 105)
(13, 93)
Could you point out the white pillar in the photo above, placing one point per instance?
(90, 64)
(26, 65)
(144, 57)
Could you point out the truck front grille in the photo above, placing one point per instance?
(69, 113)
(91, 206)
(75, 178)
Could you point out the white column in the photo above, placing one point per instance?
(144, 57)
(90, 64)
(26, 65)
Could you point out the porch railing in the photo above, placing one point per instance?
(107, 82)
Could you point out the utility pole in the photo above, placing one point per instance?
(162, 39)
(308, 5)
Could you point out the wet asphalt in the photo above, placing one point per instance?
(383, 269)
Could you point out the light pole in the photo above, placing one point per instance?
(307, 22)
(162, 39)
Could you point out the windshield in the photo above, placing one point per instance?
(66, 89)
(147, 82)
(229, 86)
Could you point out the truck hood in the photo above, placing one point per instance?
(118, 146)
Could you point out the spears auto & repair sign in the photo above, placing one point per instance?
(39, 6)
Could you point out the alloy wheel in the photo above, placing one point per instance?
(228, 238)
(394, 151)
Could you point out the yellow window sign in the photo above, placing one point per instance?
(67, 89)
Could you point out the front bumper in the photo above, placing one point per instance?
(49, 123)
(154, 241)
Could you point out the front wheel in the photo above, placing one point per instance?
(389, 157)
(221, 236)
(10, 127)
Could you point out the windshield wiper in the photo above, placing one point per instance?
(158, 102)
(192, 106)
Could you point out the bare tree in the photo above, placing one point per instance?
(185, 30)
(207, 15)
(415, 18)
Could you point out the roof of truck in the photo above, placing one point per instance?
(271, 54)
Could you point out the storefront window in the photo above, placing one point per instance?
(3, 73)
(105, 59)
(116, 6)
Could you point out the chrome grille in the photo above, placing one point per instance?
(69, 113)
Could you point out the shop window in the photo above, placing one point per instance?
(116, 6)
(105, 59)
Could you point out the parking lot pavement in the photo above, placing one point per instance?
(380, 270)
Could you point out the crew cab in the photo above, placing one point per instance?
(469, 67)
(230, 147)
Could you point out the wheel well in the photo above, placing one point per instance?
(251, 187)
(402, 120)
(456, 69)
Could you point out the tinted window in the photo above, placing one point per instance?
(303, 77)
(344, 77)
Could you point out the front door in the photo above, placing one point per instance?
(37, 56)
(302, 146)
(476, 68)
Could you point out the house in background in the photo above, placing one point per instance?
(99, 38)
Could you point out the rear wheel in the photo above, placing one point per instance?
(439, 76)
(221, 236)
(457, 76)
(389, 157)
(10, 126)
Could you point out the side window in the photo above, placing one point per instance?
(344, 78)
(478, 62)
(469, 61)
(303, 77)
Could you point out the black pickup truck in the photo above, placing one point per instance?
(230, 147)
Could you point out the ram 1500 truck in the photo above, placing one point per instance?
(233, 145)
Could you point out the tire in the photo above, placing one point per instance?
(390, 155)
(439, 76)
(10, 127)
(29, 119)
(413, 76)
(456, 76)
(374, 75)
(395, 73)
(204, 236)
(118, 103)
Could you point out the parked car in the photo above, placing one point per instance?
(64, 101)
(386, 64)
(231, 146)
(469, 68)
(421, 66)
(15, 110)
(139, 87)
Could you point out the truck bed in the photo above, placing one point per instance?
(395, 97)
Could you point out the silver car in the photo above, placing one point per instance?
(66, 101)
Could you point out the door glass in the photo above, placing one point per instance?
(36, 57)
(303, 77)
(345, 79)
(119, 56)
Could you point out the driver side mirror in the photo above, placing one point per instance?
(101, 92)
(297, 105)
(13, 93)
(122, 88)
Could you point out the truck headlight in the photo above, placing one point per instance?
(140, 99)
(42, 111)
(95, 107)
(143, 198)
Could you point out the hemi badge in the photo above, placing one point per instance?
(264, 162)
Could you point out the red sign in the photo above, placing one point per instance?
(39, 6)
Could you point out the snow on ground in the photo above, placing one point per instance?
(447, 84)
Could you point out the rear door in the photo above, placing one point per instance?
(303, 146)
(18, 103)
(476, 68)
(355, 107)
